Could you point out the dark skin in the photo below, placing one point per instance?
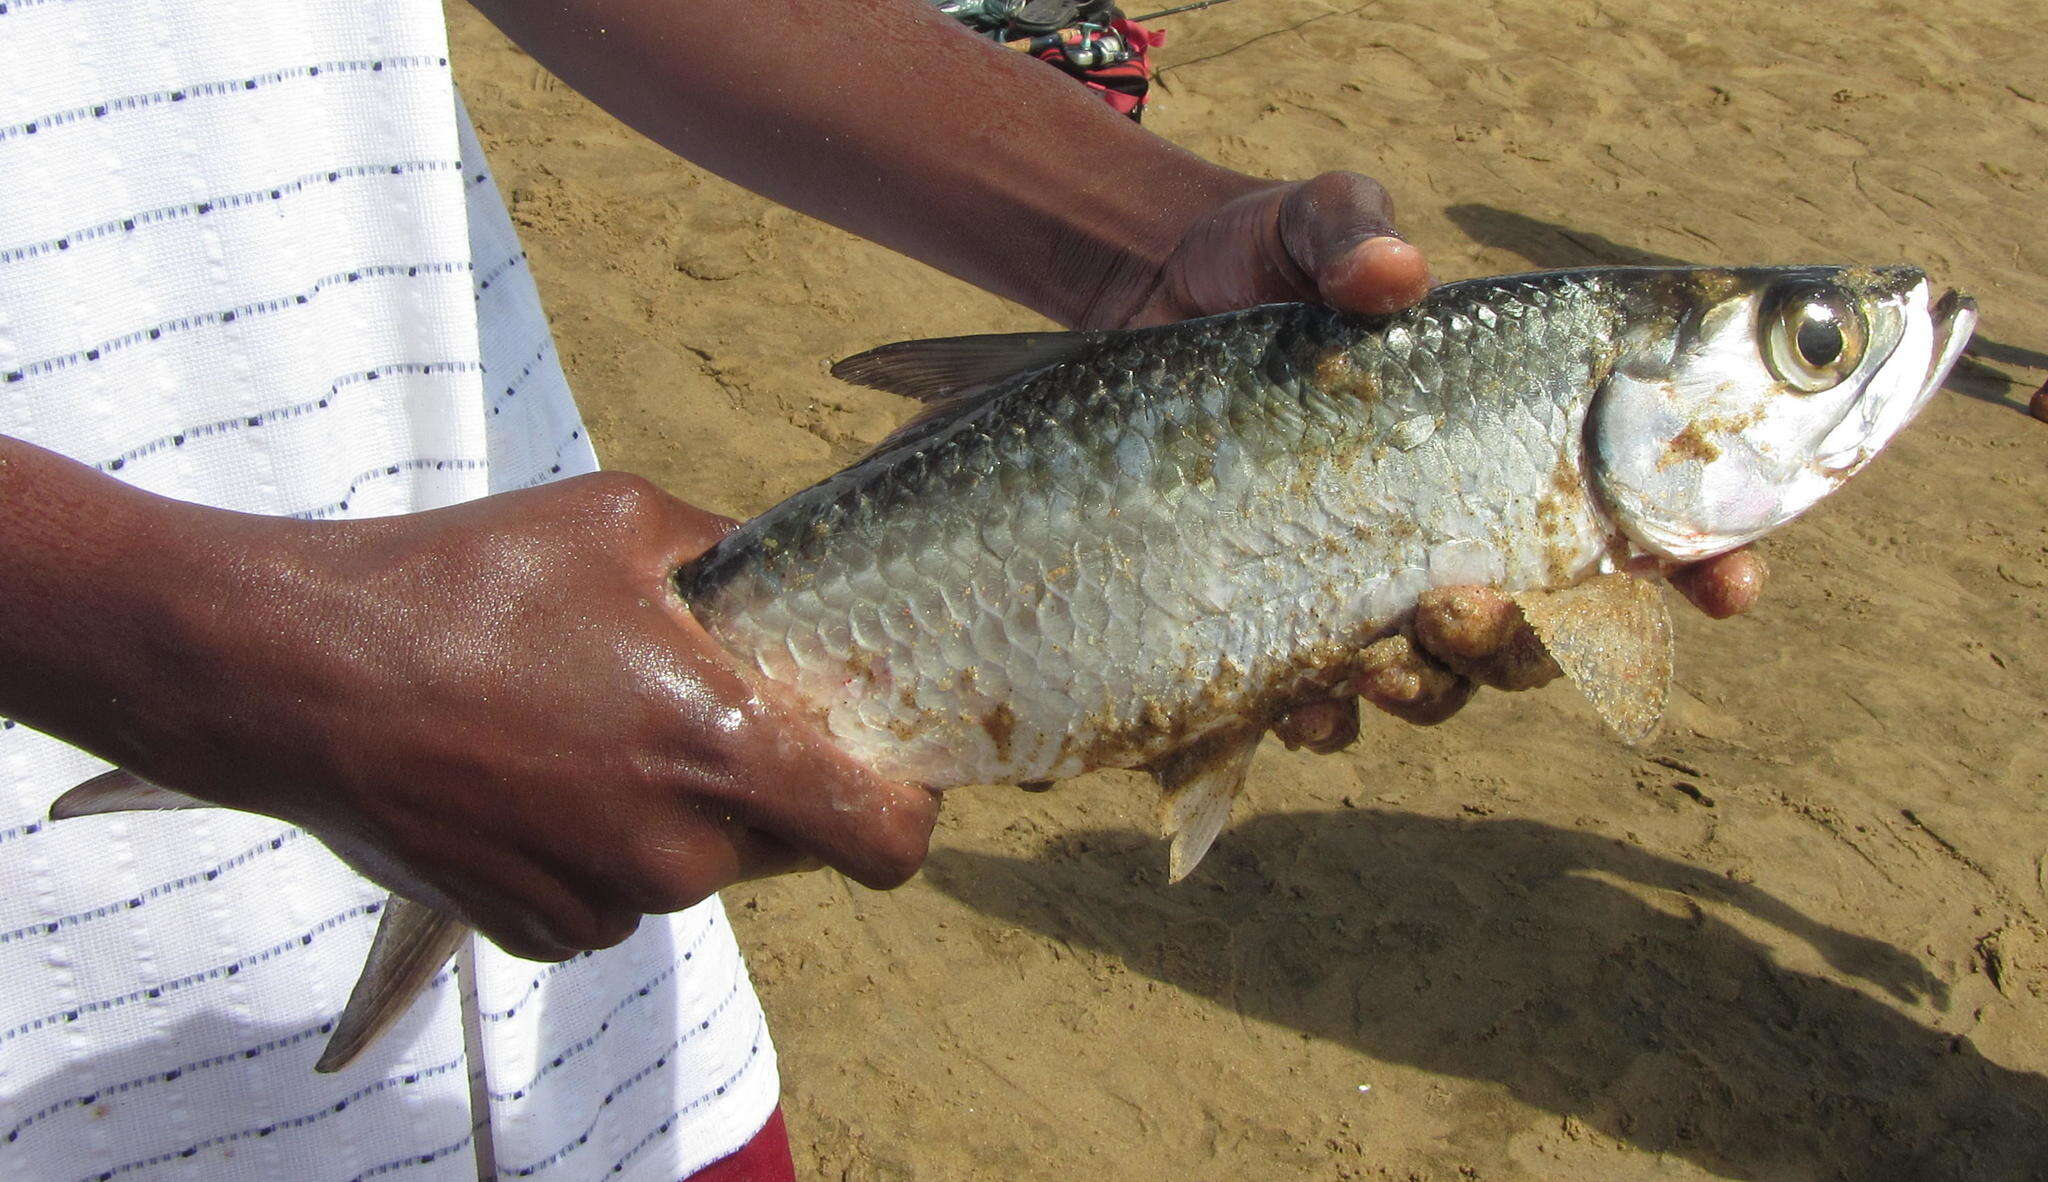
(502, 706)
(505, 699)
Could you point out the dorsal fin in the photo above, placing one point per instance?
(952, 375)
(950, 367)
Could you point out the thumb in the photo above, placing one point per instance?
(1338, 228)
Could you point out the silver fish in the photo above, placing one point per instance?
(1140, 548)
(1103, 548)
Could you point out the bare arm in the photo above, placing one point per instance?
(504, 699)
(504, 695)
(886, 118)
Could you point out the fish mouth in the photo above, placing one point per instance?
(1954, 318)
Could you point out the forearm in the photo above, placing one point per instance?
(886, 118)
(82, 590)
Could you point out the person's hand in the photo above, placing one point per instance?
(1328, 239)
(508, 707)
(1332, 239)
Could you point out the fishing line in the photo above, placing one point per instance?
(1321, 16)
(1153, 16)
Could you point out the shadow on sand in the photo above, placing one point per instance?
(1549, 244)
(1585, 976)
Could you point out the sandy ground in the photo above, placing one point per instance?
(1800, 935)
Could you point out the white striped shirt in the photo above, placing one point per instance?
(250, 256)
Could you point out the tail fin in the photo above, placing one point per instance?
(413, 941)
(119, 791)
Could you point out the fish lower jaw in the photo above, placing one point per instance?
(1842, 464)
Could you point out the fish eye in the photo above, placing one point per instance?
(1813, 336)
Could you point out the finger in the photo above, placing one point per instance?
(692, 530)
(517, 900)
(777, 771)
(565, 927)
(679, 862)
(1400, 679)
(1324, 727)
(1480, 633)
(872, 830)
(667, 530)
(1339, 229)
(816, 800)
(532, 912)
(1378, 275)
(1725, 586)
(1465, 623)
(762, 855)
(879, 842)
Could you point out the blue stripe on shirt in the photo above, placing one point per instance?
(295, 1122)
(169, 1075)
(263, 307)
(73, 1013)
(416, 1159)
(131, 223)
(263, 418)
(746, 1065)
(385, 472)
(213, 89)
(170, 887)
(605, 1024)
(626, 1085)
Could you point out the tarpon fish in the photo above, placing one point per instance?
(1141, 548)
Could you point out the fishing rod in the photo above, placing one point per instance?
(1153, 16)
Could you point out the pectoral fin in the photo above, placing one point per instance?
(119, 791)
(412, 943)
(1200, 782)
(1612, 636)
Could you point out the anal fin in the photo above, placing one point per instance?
(412, 942)
(1200, 782)
(119, 791)
(1612, 636)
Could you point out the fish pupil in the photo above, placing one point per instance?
(1820, 338)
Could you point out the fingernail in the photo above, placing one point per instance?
(1385, 273)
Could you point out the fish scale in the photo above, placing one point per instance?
(1136, 548)
(1181, 529)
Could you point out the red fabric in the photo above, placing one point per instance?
(763, 1159)
(1139, 37)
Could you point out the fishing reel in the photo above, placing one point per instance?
(1086, 47)
(1089, 40)
(983, 16)
(1016, 20)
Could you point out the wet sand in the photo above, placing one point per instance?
(1799, 935)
